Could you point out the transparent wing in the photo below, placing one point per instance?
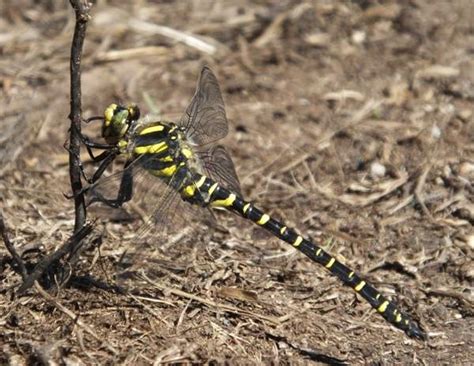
(167, 218)
(172, 222)
(205, 120)
(150, 196)
(107, 188)
(218, 165)
(161, 209)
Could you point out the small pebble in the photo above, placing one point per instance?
(358, 37)
(435, 132)
(377, 170)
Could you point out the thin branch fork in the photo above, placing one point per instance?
(49, 265)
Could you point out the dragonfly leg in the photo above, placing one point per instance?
(106, 158)
(89, 144)
(125, 191)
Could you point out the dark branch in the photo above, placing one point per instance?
(50, 262)
(81, 8)
(11, 249)
(49, 266)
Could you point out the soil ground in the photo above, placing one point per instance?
(352, 121)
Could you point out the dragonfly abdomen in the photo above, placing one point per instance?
(219, 196)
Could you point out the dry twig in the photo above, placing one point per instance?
(74, 245)
(81, 8)
(11, 249)
(213, 304)
(188, 39)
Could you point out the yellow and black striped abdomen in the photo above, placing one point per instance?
(219, 196)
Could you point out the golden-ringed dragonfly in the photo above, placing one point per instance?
(185, 156)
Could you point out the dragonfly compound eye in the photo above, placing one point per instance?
(116, 122)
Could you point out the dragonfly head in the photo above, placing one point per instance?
(117, 121)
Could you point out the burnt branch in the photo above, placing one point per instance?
(50, 263)
(50, 266)
(81, 9)
(19, 265)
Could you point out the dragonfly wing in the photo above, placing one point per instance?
(107, 189)
(218, 165)
(205, 120)
(173, 221)
(161, 208)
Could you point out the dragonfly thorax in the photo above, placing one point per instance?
(161, 148)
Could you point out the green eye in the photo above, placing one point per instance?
(120, 117)
(116, 122)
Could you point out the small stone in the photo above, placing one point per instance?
(435, 132)
(377, 170)
(358, 37)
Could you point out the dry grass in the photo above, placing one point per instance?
(354, 123)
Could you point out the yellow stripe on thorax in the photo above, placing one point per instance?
(151, 149)
(109, 114)
(151, 129)
(166, 159)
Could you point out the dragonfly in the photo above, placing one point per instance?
(186, 157)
